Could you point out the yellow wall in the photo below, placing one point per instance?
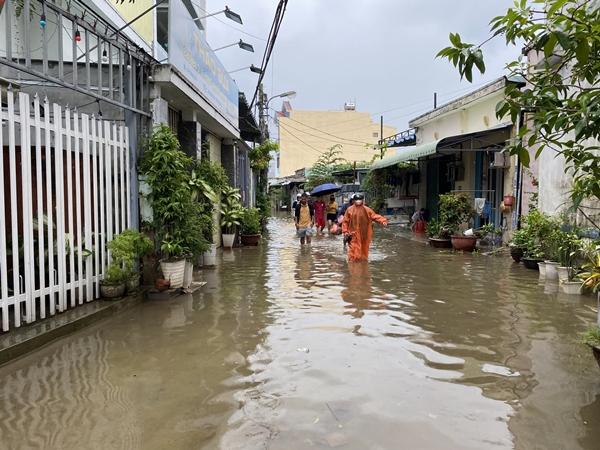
(144, 26)
(300, 143)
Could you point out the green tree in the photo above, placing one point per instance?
(322, 171)
(562, 98)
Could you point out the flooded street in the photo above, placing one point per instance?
(290, 348)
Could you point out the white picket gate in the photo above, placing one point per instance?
(64, 194)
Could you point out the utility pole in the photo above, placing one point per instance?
(435, 100)
(381, 137)
(263, 114)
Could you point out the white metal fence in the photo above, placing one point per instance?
(64, 194)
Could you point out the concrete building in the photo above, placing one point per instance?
(304, 135)
(460, 148)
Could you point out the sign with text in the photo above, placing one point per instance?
(191, 55)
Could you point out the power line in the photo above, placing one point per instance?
(305, 143)
(327, 133)
(337, 141)
(277, 20)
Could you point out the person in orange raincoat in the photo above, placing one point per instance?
(357, 227)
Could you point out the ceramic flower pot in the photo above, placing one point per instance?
(250, 239)
(174, 272)
(133, 283)
(440, 243)
(542, 269)
(530, 263)
(551, 270)
(228, 240)
(571, 287)
(210, 256)
(112, 290)
(464, 243)
(563, 274)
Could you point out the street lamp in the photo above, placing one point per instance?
(252, 68)
(228, 13)
(241, 44)
(288, 94)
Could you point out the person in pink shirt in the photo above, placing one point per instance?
(320, 215)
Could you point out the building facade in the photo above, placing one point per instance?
(305, 135)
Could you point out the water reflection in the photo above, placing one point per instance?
(288, 347)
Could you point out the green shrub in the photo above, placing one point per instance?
(114, 274)
(127, 247)
(250, 221)
(455, 209)
(592, 337)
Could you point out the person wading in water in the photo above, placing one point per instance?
(305, 219)
(358, 229)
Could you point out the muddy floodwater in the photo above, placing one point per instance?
(290, 348)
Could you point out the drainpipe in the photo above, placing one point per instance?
(519, 174)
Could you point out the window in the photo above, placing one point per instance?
(173, 120)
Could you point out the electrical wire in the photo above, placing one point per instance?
(300, 140)
(325, 132)
(277, 20)
(337, 141)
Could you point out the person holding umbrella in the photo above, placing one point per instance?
(358, 230)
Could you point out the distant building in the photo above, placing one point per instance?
(304, 135)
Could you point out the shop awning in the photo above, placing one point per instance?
(407, 154)
(492, 139)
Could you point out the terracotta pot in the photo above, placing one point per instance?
(464, 243)
(112, 290)
(250, 239)
(161, 284)
(440, 243)
(508, 200)
(516, 253)
(531, 263)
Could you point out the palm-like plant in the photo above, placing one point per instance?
(231, 209)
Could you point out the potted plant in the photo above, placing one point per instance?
(568, 249)
(551, 244)
(114, 282)
(167, 171)
(518, 244)
(456, 209)
(231, 213)
(590, 276)
(438, 236)
(126, 248)
(251, 226)
(592, 339)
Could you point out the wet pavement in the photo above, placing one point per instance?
(290, 348)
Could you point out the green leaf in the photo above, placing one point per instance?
(524, 156)
(550, 45)
(582, 51)
(563, 39)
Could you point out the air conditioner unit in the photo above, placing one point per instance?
(501, 160)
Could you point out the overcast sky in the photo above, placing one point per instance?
(379, 53)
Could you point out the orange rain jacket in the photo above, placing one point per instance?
(358, 223)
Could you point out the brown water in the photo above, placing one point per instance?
(289, 348)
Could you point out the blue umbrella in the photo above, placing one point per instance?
(324, 189)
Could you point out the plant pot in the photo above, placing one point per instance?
(440, 243)
(112, 290)
(563, 274)
(464, 243)
(542, 269)
(530, 263)
(161, 284)
(596, 353)
(250, 239)
(551, 270)
(516, 253)
(133, 283)
(228, 240)
(210, 256)
(173, 271)
(188, 274)
(571, 287)
(508, 200)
